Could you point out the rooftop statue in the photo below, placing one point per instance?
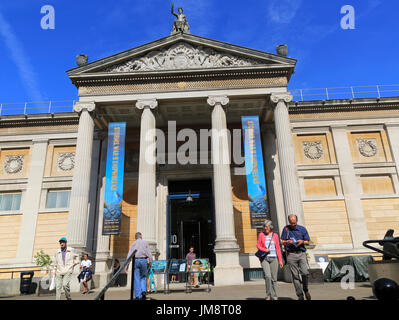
(180, 24)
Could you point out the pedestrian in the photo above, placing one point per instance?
(269, 242)
(86, 272)
(143, 260)
(294, 237)
(189, 259)
(64, 262)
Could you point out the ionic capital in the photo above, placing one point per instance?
(214, 100)
(80, 106)
(284, 96)
(150, 103)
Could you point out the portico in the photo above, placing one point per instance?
(217, 110)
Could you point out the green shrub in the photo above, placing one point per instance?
(42, 259)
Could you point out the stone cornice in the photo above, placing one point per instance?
(344, 105)
(177, 75)
(32, 122)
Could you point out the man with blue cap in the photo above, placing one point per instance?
(64, 262)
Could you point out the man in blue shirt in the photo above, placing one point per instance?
(143, 260)
(294, 237)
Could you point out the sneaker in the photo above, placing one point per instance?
(267, 298)
(307, 295)
(301, 298)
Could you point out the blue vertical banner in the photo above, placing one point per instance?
(113, 193)
(256, 183)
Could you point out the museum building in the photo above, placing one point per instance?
(333, 163)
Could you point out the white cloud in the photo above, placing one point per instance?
(283, 11)
(21, 60)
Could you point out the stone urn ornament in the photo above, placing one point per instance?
(82, 59)
(282, 50)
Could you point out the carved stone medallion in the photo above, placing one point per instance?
(367, 147)
(313, 149)
(66, 161)
(182, 56)
(14, 164)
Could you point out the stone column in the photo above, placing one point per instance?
(146, 209)
(228, 270)
(286, 155)
(103, 261)
(31, 201)
(79, 203)
(276, 199)
(350, 187)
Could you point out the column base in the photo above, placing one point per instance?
(228, 271)
(75, 284)
(103, 271)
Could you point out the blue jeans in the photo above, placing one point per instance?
(140, 277)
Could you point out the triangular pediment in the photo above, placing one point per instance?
(182, 52)
(182, 55)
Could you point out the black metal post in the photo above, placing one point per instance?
(132, 281)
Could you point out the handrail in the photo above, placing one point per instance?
(12, 272)
(381, 242)
(344, 92)
(132, 256)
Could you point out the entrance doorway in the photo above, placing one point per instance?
(191, 223)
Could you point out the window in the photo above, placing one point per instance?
(58, 199)
(10, 201)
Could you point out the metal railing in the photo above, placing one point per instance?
(381, 243)
(354, 92)
(36, 107)
(12, 272)
(132, 257)
(376, 91)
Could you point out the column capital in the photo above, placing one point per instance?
(214, 100)
(283, 96)
(151, 103)
(80, 106)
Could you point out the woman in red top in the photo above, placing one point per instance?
(269, 242)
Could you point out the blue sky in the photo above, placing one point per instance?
(33, 61)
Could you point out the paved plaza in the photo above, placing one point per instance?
(252, 290)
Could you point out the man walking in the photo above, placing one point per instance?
(143, 258)
(64, 262)
(294, 237)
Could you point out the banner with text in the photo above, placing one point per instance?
(256, 183)
(113, 193)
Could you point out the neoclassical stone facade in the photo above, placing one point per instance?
(332, 163)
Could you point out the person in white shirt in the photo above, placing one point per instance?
(85, 275)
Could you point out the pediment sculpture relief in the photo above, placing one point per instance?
(182, 56)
